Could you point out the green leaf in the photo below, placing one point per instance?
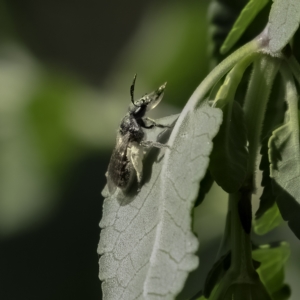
(271, 270)
(247, 15)
(216, 273)
(147, 244)
(228, 164)
(272, 120)
(221, 16)
(274, 114)
(283, 22)
(241, 281)
(268, 221)
(205, 186)
(267, 198)
(215, 90)
(267, 216)
(283, 294)
(284, 156)
(229, 157)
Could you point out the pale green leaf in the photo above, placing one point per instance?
(146, 243)
(247, 15)
(283, 22)
(268, 221)
(271, 270)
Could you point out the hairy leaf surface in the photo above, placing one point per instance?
(247, 15)
(283, 22)
(146, 243)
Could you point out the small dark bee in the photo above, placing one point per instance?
(126, 159)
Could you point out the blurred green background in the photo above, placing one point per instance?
(65, 72)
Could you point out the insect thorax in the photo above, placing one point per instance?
(130, 125)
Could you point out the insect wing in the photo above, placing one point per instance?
(117, 173)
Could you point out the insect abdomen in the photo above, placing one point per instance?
(119, 171)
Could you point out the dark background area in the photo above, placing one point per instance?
(81, 36)
(58, 259)
(65, 48)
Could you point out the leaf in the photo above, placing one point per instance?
(247, 15)
(228, 165)
(284, 156)
(271, 260)
(271, 270)
(147, 244)
(205, 186)
(283, 294)
(268, 221)
(272, 120)
(267, 198)
(229, 157)
(221, 16)
(215, 274)
(267, 216)
(283, 22)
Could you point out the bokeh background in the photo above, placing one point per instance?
(65, 72)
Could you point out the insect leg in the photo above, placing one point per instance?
(136, 158)
(154, 124)
(148, 144)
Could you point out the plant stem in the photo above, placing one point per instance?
(228, 89)
(262, 77)
(218, 72)
(241, 257)
(225, 242)
(295, 67)
(291, 97)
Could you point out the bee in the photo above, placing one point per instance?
(127, 157)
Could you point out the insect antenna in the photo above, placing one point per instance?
(132, 91)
